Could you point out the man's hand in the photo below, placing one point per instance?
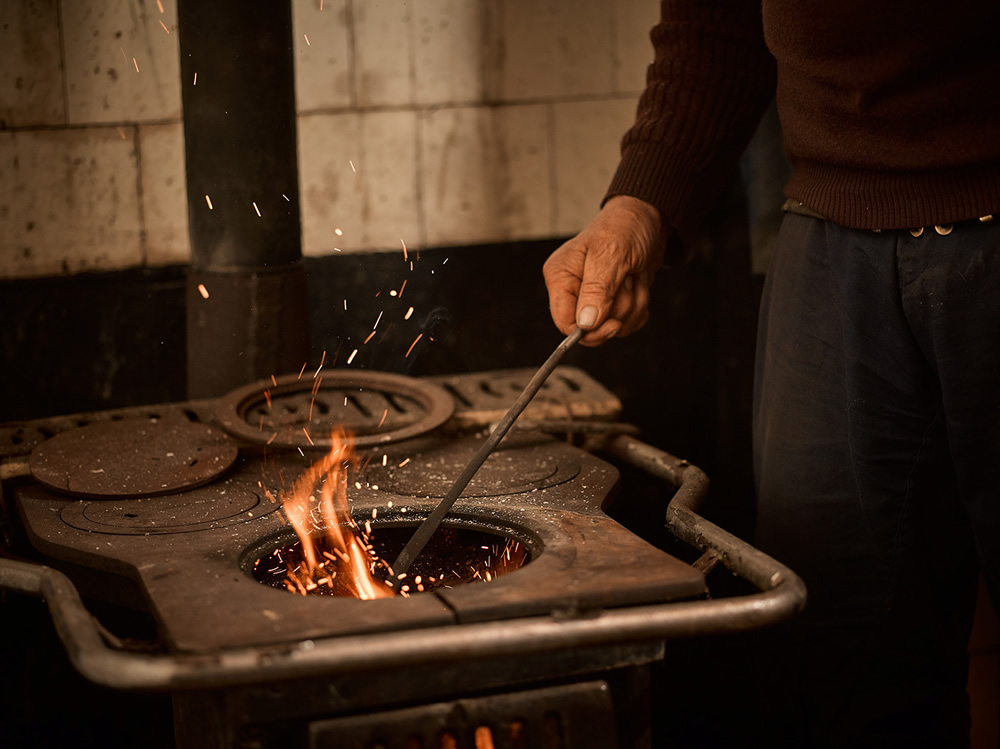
(600, 279)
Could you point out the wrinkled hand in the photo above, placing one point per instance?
(600, 279)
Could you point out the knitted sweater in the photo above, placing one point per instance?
(890, 109)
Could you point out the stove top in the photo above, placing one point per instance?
(169, 507)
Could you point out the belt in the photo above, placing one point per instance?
(794, 206)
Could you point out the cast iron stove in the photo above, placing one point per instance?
(168, 509)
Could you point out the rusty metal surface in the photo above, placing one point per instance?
(191, 560)
(203, 595)
(19, 438)
(781, 595)
(133, 458)
(569, 394)
(504, 473)
(299, 411)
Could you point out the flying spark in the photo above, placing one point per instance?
(203, 291)
(256, 209)
(322, 360)
(209, 201)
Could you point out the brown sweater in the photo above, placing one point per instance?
(890, 110)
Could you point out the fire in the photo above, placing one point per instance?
(322, 489)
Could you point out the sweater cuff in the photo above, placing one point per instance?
(654, 174)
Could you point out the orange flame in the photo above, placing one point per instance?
(328, 478)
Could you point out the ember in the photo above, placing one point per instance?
(455, 556)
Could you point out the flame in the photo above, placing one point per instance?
(351, 562)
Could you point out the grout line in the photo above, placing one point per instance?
(143, 238)
(352, 51)
(411, 12)
(88, 126)
(62, 62)
(418, 136)
(472, 103)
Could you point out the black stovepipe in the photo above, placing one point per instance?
(246, 300)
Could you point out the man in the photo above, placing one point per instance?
(877, 384)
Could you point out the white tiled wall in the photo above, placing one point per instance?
(70, 201)
(31, 86)
(358, 172)
(431, 122)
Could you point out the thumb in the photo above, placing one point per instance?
(597, 290)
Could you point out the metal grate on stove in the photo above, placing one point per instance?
(477, 400)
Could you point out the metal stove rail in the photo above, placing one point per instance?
(781, 594)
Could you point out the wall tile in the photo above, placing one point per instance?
(322, 65)
(31, 91)
(633, 49)
(554, 48)
(358, 174)
(449, 51)
(486, 174)
(164, 194)
(383, 53)
(101, 41)
(587, 135)
(69, 201)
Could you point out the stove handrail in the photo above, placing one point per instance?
(781, 594)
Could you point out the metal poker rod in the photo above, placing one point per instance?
(426, 529)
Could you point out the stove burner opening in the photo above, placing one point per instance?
(455, 555)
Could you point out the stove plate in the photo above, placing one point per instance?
(132, 458)
(200, 590)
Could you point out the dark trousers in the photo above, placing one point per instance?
(877, 457)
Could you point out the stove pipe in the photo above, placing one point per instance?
(246, 288)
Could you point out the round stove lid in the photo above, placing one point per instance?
(132, 458)
(376, 407)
